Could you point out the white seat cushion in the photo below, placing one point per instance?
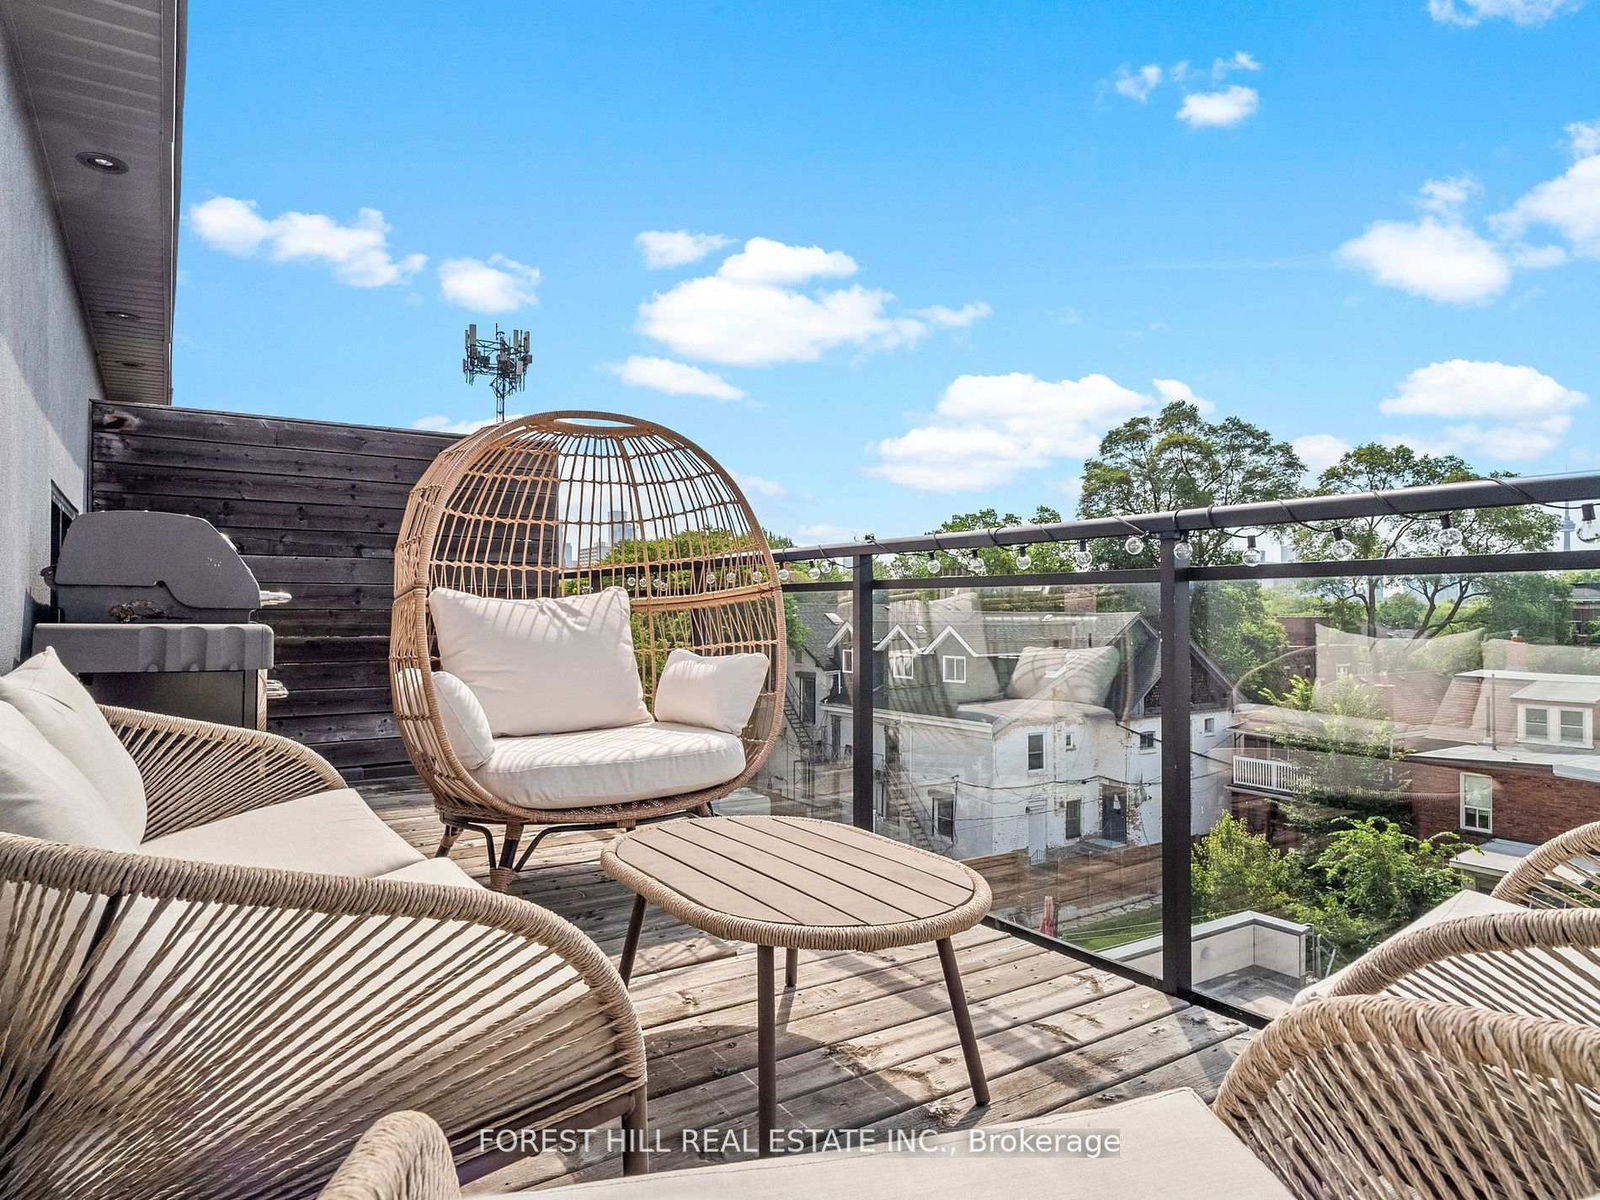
(432, 870)
(542, 666)
(1171, 1147)
(43, 795)
(466, 725)
(60, 707)
(610, 766)
(1466, 903)
(713, 691)
(330, 833)
(1083, 676)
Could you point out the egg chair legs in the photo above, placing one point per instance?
(505, 863)
(593, 827)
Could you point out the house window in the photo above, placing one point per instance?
(944, 814)
(847, 659)
(954, 668)
(1147, 740)
(900, 662)
(1036, 752)
(1210, 725)
(1477, 803)
(1067, 742)
(1074, 817)
(1559, 726)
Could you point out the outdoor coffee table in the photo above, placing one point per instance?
(800, 884)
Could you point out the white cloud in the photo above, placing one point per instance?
(1175, 391)
(954, 318)
(1441, 259)
(756, 485)
(1503, 412)
(752, 313)
(1583, 138)
(1518, 12)
(1137, 85)
(677, 247)
(1447, 197)
(674, 378)
(1221, 109)
(764, 260)
(1568, 204)
(357, 252)
(1242, 60)
(988, 429)
(1319, 451)
(438, 423)
(498, 285)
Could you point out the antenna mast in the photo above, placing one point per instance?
(504, 360)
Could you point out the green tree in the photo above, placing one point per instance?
(1232, 624)
(1177, 459)
(1539, 607)
(1233, 869)
(1375, 467)
(985, 560)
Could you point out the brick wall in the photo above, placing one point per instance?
(1530, 805)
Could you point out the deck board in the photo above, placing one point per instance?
(867, 1040)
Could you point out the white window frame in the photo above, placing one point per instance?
(1068, 741)
(1483, 805)
(1140, 736)
(1027, 761)
(949, 661)
(902, 664)
(1553, 715)
(1209, 725)
(847, 660)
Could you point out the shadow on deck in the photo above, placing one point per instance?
(866, 1041)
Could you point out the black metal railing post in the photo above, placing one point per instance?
(1176, 770)
(863, 783)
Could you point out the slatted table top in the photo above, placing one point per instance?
(796, 882)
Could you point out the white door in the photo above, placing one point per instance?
(1038, 834)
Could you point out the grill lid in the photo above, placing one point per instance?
(152, 565)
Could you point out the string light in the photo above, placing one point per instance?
(1182, 552)
(1081, 558)
(1588, 529)
(785, 575)
(1253, 557)
(1134, 544)
(1450, 537)
(1024, 559)
(1343, 548)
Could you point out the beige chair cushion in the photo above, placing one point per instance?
(711, 691)
(1081, 676)
(1466, 903)
(542, 666)
(1171, 1147)
(466, 725)
(610, 766)
(330, 833)
(61, 708)
(43, 795)
(432, 870)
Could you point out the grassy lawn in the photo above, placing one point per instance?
(1112, 931)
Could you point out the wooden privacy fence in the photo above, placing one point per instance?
(314, 507)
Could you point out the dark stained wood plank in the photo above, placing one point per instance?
(192, 454)
(212, 425)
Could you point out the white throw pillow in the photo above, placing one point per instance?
(465, 724)
(43, 795)
(711, 691)
(542, 666)
(61, 709)
(1082, 676)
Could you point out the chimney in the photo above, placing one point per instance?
(1516, 652)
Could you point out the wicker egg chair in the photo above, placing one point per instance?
(569, 502)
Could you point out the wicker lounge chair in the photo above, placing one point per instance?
(568, 504)
(184, 1020)
(1342, 1100)
(1562, 873)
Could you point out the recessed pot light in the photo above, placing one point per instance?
(98, 161)
(127, 363)
(122, 314)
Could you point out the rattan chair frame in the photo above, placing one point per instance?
(493, 515)
(1561, 873)
(182, 1028)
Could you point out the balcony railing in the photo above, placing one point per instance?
(1268, 774)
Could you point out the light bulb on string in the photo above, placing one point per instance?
(1450, 538)
(1253, 556)
(1081, 558)
(1024, 559)
(1182, 552)
(1343, 548)
(1588, 529)
(1134, 544)
(785, 574)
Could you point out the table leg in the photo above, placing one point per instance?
(766, 1050)
(791, 969)
(630, 943)
(958, 1003)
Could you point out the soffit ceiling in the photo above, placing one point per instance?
(106, 77)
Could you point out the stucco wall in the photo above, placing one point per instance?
(47, 371)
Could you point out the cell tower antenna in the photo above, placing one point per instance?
(504, 360)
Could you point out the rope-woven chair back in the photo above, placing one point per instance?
(561, 504)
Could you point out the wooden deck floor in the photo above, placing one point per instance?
(866, 1041)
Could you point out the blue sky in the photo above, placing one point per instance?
(984, 232)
